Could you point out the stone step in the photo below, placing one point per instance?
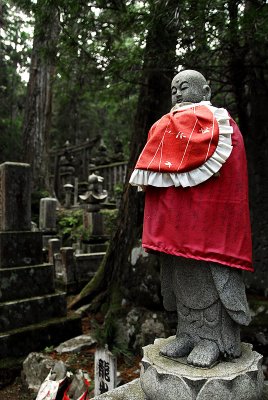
(36, 337)
(19, 313)
(20, 249)
(24, 282)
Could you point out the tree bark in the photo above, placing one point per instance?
(247, 66)
(257, 135)
(37, 119)
(153, 101)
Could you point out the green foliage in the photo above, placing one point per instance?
(109, 220)
(49, 349)
(70, 225)
(14, 53)
(109, 334)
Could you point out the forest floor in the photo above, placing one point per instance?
(127, 367)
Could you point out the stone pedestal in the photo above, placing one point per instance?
(163, 378)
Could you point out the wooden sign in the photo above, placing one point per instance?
(105, 371)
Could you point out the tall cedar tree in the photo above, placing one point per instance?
(154, 101)
(37, 118)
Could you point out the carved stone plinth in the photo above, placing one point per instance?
(163, 378)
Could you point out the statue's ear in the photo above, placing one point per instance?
(206, 92)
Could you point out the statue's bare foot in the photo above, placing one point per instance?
(204, 354)
(179, 347)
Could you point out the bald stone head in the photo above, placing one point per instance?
(189, 86)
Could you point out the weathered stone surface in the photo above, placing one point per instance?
(133, 391)
(17, 313)
(47, 214)
(22, 341)
(76, 344)
(87, 265)
(36, 368)
(68, 265)
(97, 224)
(24, 282)
(161, 377)
(15, 197)
(53, 248)
(20, 249)
(97, 248)
(46, 238)
(129, 391)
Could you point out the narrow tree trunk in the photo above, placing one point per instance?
(37, 118)
(154, 101)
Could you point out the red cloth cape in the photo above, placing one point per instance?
(207, 222)
(181, 140)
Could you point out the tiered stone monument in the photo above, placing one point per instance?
(32, 313)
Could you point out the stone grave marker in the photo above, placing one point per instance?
(47, 214)
(32, 314)
(105, 371)
(53, 248)
(15, 197)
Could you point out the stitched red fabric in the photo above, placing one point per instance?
(207, 222)
(180, 141)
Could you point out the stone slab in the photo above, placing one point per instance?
(23, 282)
(19, 313)
(75, 345)
(238, 379)
(20, 249)
(15, 197)
(86, 265)
(36, 337)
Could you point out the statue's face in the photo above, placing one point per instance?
(189, 86)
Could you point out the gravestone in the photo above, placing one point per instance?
(65, 275)
(53, 248)
(105, 369)
(32, 314)
(15, 197)
(47, 214)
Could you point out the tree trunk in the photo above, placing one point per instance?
(257, 136)
(247, 55)
(37, 118)
(154, 101)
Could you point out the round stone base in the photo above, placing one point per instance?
(169, 379)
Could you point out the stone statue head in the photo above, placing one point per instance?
(189, 86)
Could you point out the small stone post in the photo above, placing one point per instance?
(68, 267)
(53, 248)
(68, 187)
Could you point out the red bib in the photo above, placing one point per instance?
(180, 141)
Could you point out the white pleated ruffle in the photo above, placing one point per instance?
(201, 174)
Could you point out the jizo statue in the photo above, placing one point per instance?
(196, 218)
